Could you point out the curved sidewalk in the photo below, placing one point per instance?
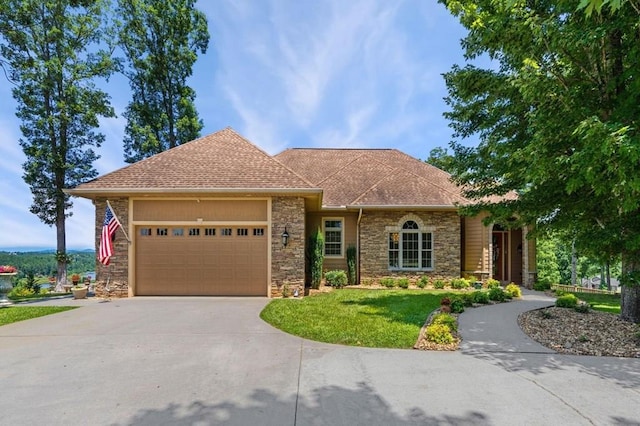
(495, 328)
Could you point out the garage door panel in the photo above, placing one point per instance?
(202, 263)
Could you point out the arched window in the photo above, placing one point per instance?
(411, 248)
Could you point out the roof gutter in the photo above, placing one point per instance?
(91, 192)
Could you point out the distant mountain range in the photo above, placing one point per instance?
(42, 250)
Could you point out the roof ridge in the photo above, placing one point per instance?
(347, 165)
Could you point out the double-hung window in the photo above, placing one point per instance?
(410, 248)
(333, 237)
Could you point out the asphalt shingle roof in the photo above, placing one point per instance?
(221, 160)
(373, 177)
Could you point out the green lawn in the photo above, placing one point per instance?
(602, 302)
(370, 318)
(20, 313)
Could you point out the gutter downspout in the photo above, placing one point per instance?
(358, 244)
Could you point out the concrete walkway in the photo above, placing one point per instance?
(212, 361)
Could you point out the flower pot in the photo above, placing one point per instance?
(79, 292)
(6, 284)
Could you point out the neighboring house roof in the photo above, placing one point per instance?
(373, 178)
(221, 161)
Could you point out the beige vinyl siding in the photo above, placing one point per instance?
(476, 245)
(314, 221)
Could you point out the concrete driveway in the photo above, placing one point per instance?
(212, 361)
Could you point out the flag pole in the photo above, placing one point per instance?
(115, 216)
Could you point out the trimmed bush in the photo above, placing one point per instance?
(467, 298)
(457, 305)
(459, 283)
(497, 294)
(480, 297)
(439, 333)
(567, 301)
(491, 283)
(445, 301)
(388, 282)
(403, 282)
(541, 286)
(351, 265)
(513, 290)
(447, 320)
(422, 282)
(337, 278)
(439, 284)
(315, 258)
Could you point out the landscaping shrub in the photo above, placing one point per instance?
(403, 282)
(20, 290)
(351, 265)
(457, 305)
(497, 294)
(513, 290)
(422, 282)
(467, 298)
(439, 333)
(541, 286)
(388, 282)
(480, 297)
(315, 257)
(439, 284)
(337, 278)
(567, 301)
(583, 308)
(459, 283)
(445, 301)
(447, 320)
(491, 283)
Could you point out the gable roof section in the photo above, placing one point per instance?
(221, 161)
(373, 178)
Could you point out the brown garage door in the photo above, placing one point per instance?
(201, 261)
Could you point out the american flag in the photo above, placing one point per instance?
(109, 227)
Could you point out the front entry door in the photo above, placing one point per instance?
(500, 255)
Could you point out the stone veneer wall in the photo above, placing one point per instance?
(287, 263)
(374, 244)
(117, 272)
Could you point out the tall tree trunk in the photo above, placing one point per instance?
(609, 275)
(630, 300)
(574, 265)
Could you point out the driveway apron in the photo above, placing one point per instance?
(213, 361)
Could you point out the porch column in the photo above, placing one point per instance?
(526, 280)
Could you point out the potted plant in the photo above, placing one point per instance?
(79, 291)
(75, 279)
(7, 272)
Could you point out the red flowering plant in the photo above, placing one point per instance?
(7, 269)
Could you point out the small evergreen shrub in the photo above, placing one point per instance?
(439, 284)
(467, 299)
(459, 283)
(567, 301)
(491, 283)
(541, 286)
(422, 282)
(403, 282)
(367, 282)
(388, 282)
(513, 290)
(447, 320)
(497, 294)
(351, 265)
(315, 258)
(439, 333)
(457, 305)
(337, 278)
(583, 308)
(480, 297)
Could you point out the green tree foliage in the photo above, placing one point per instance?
(44, 263)
(440, 158)
(548, 268)
(52, 50)
(160, 40)
(556, 117)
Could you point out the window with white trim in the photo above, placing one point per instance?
(333, 236)
(410, 248)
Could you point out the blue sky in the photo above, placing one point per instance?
(283, 73)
